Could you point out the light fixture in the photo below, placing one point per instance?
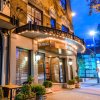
(73, 14)
(70, 62)
(38, 57)
(92, 32)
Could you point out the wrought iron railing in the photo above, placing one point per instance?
(51, 31)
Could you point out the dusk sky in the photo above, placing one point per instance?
(83, 22)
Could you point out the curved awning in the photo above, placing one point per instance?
(40, 32)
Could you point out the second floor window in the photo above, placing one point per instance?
(63, 4)
(34, 15)
(53, 23)
(65, 29)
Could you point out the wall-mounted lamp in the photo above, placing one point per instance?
(70, 62)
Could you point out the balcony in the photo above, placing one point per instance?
(36, 31)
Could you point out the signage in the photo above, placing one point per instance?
(52, 43)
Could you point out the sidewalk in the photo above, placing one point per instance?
(88, 91)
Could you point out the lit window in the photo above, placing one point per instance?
(34, 15)
(63, 3)
(65, 29)
(53, 23)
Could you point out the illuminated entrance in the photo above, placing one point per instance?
(50, 67)
(51, 60)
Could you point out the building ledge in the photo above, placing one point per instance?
(37, 31)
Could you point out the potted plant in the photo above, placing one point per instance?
(30, 79)
(40, 91)
(26, 93)
(77, 82)
(20, 96)
(48, 84)
(71, 84)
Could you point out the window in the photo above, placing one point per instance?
(34, 15)
(4, 8)
(22, 65)
(63, 3)
(65, 29)
(53, 23)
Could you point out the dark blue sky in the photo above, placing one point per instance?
(82, 22)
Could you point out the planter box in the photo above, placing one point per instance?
(41, 97)
(48, 90)
(77, 85)
(70, 86)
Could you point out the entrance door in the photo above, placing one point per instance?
(40, 58)
(22, 65)
(62, 71)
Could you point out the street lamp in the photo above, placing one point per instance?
(92, 33)
(73, 14)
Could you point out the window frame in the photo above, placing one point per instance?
(66, 28)
(54, 21)
(36, 10)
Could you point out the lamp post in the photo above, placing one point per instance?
(92, 33)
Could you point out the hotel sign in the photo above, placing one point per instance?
(52, 43)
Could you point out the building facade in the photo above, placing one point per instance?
(37, 39)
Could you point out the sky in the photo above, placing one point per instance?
(83, 23)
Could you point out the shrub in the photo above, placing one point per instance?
(26, 89)
(20, 96)
(77, 79)
(71, 82)
(47, 84)
(39, 89)
(30, 79)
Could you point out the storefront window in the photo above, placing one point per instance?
(34, 15)
(22, 65)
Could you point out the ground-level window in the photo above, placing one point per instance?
(34, 15)
(22, 65)
(53, 23)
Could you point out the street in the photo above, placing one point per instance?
(86, 92)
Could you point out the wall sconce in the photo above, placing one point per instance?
(70, 62)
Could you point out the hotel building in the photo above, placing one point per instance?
(37, 38)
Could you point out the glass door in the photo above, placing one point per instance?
(22, 65)
(40, 58)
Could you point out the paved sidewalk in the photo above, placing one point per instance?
(84, 93)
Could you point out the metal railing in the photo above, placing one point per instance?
(43, 29)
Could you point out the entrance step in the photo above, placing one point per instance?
(57, 87)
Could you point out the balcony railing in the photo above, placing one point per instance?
(48, 30)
